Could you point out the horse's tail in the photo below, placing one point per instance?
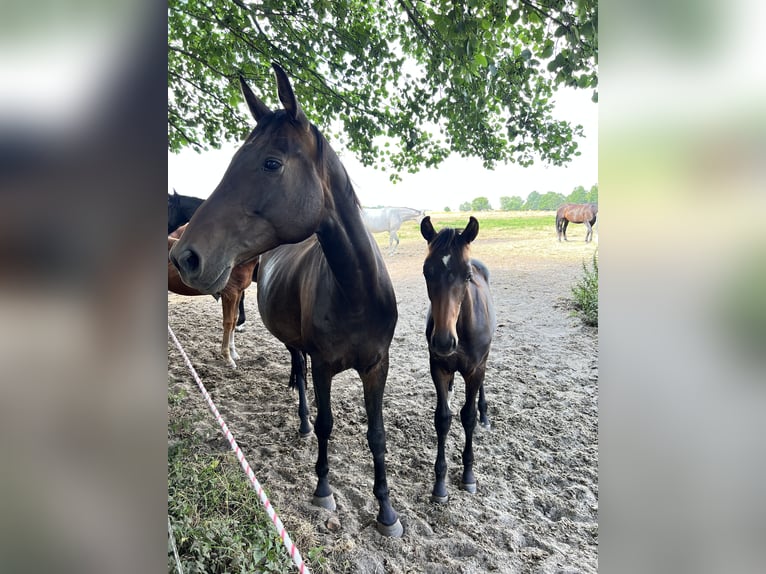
(558, 223)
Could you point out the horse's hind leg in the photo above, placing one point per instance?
(564, 224)
(240, 326)
(483, 418)
(298, 382)
(473, 385)
(442, 421)
(374, 381)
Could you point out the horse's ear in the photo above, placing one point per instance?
(257, 108)
(471, 230)
(287, 97)
(427, 229)
(174, 191)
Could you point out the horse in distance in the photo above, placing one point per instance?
(378, 219)
(323, 287)
(576, 213)
(459, 328)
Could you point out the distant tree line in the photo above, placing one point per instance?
(536, 201)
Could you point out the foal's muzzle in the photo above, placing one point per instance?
(443, 344)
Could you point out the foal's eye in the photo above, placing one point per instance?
(271, 165)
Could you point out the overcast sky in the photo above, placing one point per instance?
(455, 181)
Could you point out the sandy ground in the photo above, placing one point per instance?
(536, 509)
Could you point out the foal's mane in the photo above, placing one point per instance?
(444, 239)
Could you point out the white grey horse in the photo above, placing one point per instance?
(390, 219)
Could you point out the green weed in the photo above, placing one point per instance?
(585, 293)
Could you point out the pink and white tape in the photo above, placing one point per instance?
(292, 550)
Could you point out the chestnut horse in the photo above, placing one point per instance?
(180, 210)
(323, 288)
(576, 213)
(459, 328)
(231, 295)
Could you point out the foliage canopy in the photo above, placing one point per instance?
(401, 84)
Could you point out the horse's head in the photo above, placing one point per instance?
(172, 211)
(273, 192)
(448, 271)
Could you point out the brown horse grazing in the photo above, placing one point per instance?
(576, 213)
(231, 295)
(323, 288)
(459, 328)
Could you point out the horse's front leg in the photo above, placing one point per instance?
(298, 382)
(588, 231)
(374, 381)
(322, 428)
(442, 421)
(474, 382)
(228, 351)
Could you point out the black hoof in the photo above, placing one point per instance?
(327, 502)
(395, 530)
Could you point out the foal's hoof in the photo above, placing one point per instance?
(395, 530)
(327, 502)
(469, 487)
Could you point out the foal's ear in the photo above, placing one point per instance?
(257, 108)
(287, 97)
(427, 229)
(471, 230)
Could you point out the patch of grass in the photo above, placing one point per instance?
(585, 293)
(218, 521)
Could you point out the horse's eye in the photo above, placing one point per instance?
(469, 277)
(272, 165)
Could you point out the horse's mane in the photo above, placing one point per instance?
(325, 159)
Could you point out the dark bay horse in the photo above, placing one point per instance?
(231, 295)
(390, 219)
(323, 288)
(459, 328)
(180, 210)
(576, 213)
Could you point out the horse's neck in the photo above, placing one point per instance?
(344, 239)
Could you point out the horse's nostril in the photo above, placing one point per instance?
(188, 261)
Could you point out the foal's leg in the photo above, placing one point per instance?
(322, 376)
(483, 419)
(229, 304)
(374, 381)
(298, 381)
(474, 382)
(442, 421)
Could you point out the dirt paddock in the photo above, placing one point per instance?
(536, 509)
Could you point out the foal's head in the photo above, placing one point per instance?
(448, 271)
